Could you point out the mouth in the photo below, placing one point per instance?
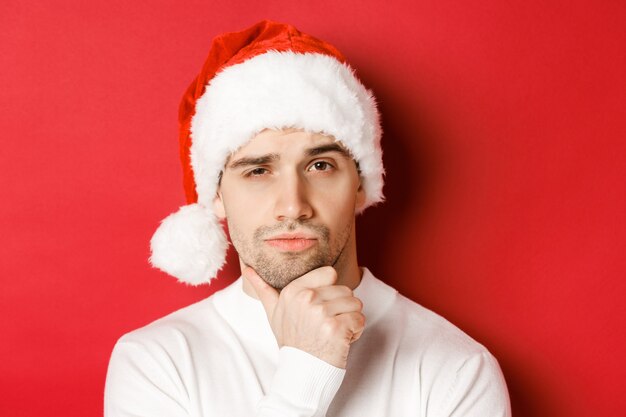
(291, 242)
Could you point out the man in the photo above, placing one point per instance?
(280, 140)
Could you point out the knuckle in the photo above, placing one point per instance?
(320, 310)
(306, 296)
(344, 289)
(329, 327)
(288, 291)
(329, 271)
(357, 319)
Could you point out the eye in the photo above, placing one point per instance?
(321, 166)
(256, 172)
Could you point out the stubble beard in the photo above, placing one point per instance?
(278, 269)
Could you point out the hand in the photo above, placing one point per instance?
(312, 314)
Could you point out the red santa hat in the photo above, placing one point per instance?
(268, 76)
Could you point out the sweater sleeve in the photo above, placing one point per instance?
(478, 390)
(142, 383)
(303, 385)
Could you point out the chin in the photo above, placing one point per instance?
(280, 273)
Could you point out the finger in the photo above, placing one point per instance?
(265, 292)
(343, 305)
(353, 322)
(356, 336)
(333, 291)
(320, 277)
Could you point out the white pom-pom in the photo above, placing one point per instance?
(190, 245)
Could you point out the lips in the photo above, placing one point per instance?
(292, 242)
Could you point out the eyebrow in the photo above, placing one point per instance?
(331, 147)
(254, 160)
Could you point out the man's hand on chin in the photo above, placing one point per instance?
(312, 313)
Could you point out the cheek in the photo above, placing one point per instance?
(244, 215)
(239, 221)
(338, 193)
(335, 206)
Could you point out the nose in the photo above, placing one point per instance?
(292, 198)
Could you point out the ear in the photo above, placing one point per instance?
(360, 196)
(218, 205)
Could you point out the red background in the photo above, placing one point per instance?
(504, 143)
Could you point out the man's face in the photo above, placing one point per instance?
(289, 198)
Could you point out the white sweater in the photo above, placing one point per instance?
(219, 357)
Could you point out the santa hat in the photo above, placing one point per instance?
(268, 76)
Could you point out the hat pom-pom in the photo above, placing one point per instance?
(190, 245)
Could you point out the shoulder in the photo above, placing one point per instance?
(159, 358)
(184, 322)
(455, 371)
(414, 322)
(165, 352)
(180, 331)
(421, 335)
(431, 329)
(460, 375)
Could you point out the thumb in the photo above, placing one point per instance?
(267, 294)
